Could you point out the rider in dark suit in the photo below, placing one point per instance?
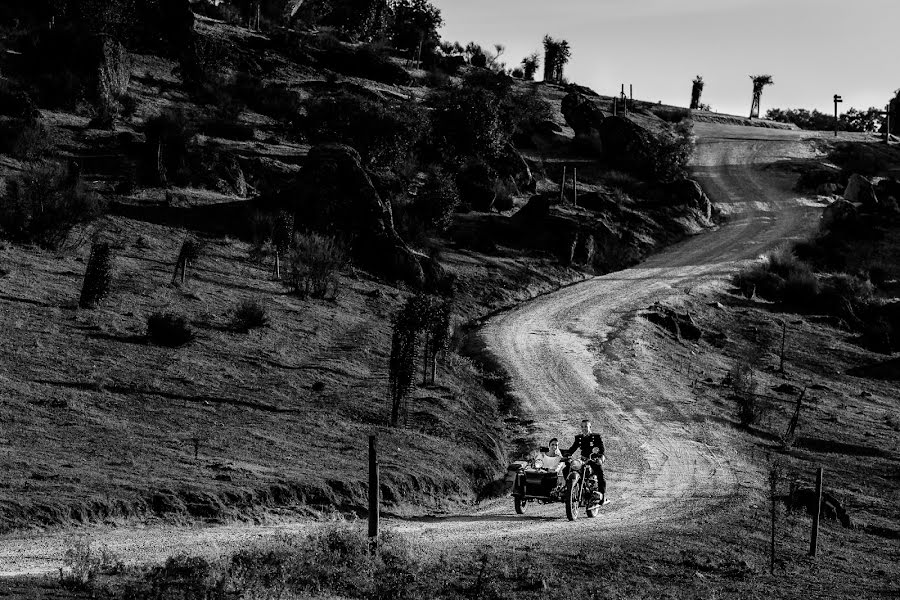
(584, 443)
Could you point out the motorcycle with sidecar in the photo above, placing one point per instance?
(570, 483)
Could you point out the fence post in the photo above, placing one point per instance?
(373, 489)
(773, 488)
(575, 185)
(783, 338)
(814, 535)
(562, 186)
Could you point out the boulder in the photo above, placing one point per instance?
(581, 114)
(681, 325)
(860, 190)
(838, 212)
(622, 138)
(828, 189)
(687, 192)
(335, 195)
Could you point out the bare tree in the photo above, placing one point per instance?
(759, 82)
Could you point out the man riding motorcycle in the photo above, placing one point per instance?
(584, 443)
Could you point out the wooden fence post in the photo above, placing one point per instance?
(773, 488)
(562, 186)
(373, 489)
(783, 338)
(814, 535)
(575, 185)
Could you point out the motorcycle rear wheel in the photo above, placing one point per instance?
(520, 504)
(573, 494)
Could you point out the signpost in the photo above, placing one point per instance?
(837, 99)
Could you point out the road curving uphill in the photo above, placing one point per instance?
(580, 352)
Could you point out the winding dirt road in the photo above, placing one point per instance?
(579, 353)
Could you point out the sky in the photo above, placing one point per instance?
(812, 48)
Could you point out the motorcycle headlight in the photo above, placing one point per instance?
(575, 464)
(538, 464)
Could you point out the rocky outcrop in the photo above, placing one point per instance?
(860, 190)
(687, 192)
(680, 325)
(838, 212)
(335, 195)
(582, 115)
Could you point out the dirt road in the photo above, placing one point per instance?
(580, 353)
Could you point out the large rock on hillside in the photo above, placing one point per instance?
(860, 190)
(839, 212)
(623, 140)
(582, 115)
(687, 192)
(335, 195)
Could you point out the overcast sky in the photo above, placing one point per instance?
(812, 48)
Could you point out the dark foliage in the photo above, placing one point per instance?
(385, 134)
(168, 329)
(249, 314)
(314, 263)
(273, 100)
(437, 199)
(168, 136)
(97, 277)
(22, 139)
(43, 205)
(477, 184)
(852, 120)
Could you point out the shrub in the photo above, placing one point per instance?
(844, 295)
(437, 200)
(97, 277)
(781, 277)
(84, 564)
(25, 140)
(477, 183)
(249, 314)
(16, 103)
(168, 136)
(384, 134)
(314, 262)
(666, 155)
(170, 330)
(671, 114)
(44, 204)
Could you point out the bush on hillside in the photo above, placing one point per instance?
(43, 204)
(780, 277)
(24, 139)
(168, 137)
(168, 329)
(314, 261)
(385, 134)
(667, 154)
(229, 129)
(437, 200)
(249, 314)
(743, 383)
(477, 184)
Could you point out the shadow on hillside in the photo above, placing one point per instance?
(889, 370)
(231, 218)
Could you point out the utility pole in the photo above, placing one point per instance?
(837, 99)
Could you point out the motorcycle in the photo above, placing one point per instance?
(570, 484)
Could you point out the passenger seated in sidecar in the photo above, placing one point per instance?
(551, 457)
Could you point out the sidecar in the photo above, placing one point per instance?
(533, 483)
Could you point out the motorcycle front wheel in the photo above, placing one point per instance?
(520, 505)
(573, 493)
